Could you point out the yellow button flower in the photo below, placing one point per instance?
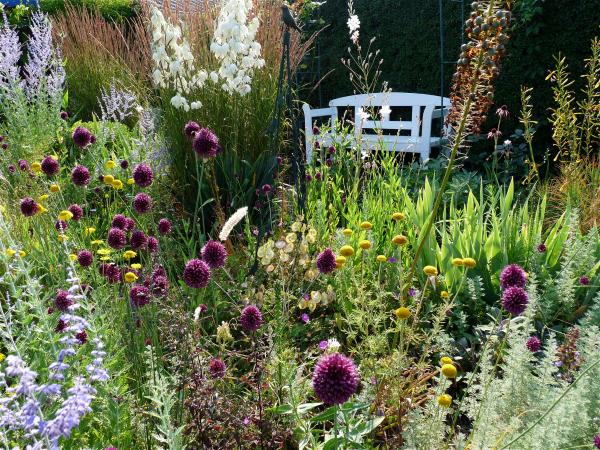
(381, 258)
(117, 184)
(366, 225)
(444, 400)
(54, 188)
(398, 216)
(457, 262)
(97, 242)
(399, 239)
(136, 266)
(365, 244)
(130, 277)
(469, 263)
(445, 360)
(10, 252)
(41, 209)
(2, 357)
(129, 254)
(449, 371)
(105, 258)
(402, 313)
(347, 232)
(346, 251)
(110, 164)
(108, 179)
(130, 181)
(43, 197)
(430, 271)
(73, 257)
(65, 215)
(341, 260)
(36, 167)
(90, 230)
(444, 294)
(62, 238)
(22, 254)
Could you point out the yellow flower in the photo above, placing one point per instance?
(110, 164)
(73, 257)
(2, 357)
(399, 239)
(97, 242)
(346, 251)
(366, 225)
(41, 209)
(130, 181)
(36, 167)
(10, 252)
(129, 254)
(136, 266)
(398, 216)
(402, 313)
(469, 263)
(54, 188)
(22, 254)
(364, 244)
(457, 262)
(130, 277)
(449, 371)
(117, 184)
(108, 179)
(89, 230)
(105, 258)
(381, 258)
(43, 197)
(104, 251)
(62, 238)
(444, 400)
(54, 157)
(341, 260)
(444, 294)
(430, 271)
(347, 232)
(65, 215)
(445, 360)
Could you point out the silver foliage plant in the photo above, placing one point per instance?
(117, 104)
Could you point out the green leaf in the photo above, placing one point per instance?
(305, 407)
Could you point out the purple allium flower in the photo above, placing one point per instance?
(214, 254)
(305, 318)
(206, 143)
(80, 175)
(139, 295)
(143, 175)
(329, 162)
(251, 319)
(61, 326)
(124, 164)
(62, 300)
(196, 273)
(331, 150)
(93, 139)
(116, 238)
(308, 177)
(318, 176)
(61, 225)
(202, 308)
(76, 210)
(81, 336)
(138, 239)
(119, 221)
(533, 344)
(513, 275)
(29, 207)
(541, 248)
(111, 272)
(142, 203)
(82, 137)
(316, 130)
(392, 260)
(22, 164)
(85, 258)
(279, 160)
(160, 286)
(191, 128)
(326, 261)
(515, 300)
(4, 146)
(216, 368)
(164, 226)
(12, 168)
(64, 115)
(323, 345)
(159, 271)
(266, 189)
(597, 441)
(152, 244)
(50, 166)
(129, 224)
(335, 379)
(584, 280)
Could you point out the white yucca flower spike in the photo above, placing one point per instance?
(232, 222)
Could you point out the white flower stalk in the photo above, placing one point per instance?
(232, 222)
(174, 65)
(235, 47)
(353, 23)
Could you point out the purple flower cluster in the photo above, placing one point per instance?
(251, 319)
(80, 176)
(50, 166)
(513, 275)
(335, 379)
(326, 261)
(82, 137)
(206, 143)
(139, 295)
(85, 258)
(214, 254)
(216, 368)
(514, 297)
(143, 175)
(164, 226)
(533, 344)
(29, 207)
(76, 210)
(116, 238)
(196, 273)
(142, 203)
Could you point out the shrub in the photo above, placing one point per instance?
(117, 10)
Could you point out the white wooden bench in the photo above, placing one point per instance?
(424, 108)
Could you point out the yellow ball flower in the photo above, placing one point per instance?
(130, 181)
(41, 209)
(444, 400)
(105, 258)
(62, 238)
(117, 184)
(65, 215)
(430, 271)
(130, 277)
(108, 179)
(129, 254)
(10, 252)
(445, 360)
(364, 244)
(366, 225)
(110, 164)
(381, 258)
(457, 262)
(398, 216)
(136, 266)
(341, 260)
(43, 197)
(347, 232)
(54, 188)
(2, 357)
(36, 167)
(97, 242)
(449, 371)
(22, 254)
(104, 251)
(469, 263)
(73, 257)
(399, 239)
(346, 251)
(444, 294)
(402, 313)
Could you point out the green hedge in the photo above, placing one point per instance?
(111, 9)
(407, 33)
